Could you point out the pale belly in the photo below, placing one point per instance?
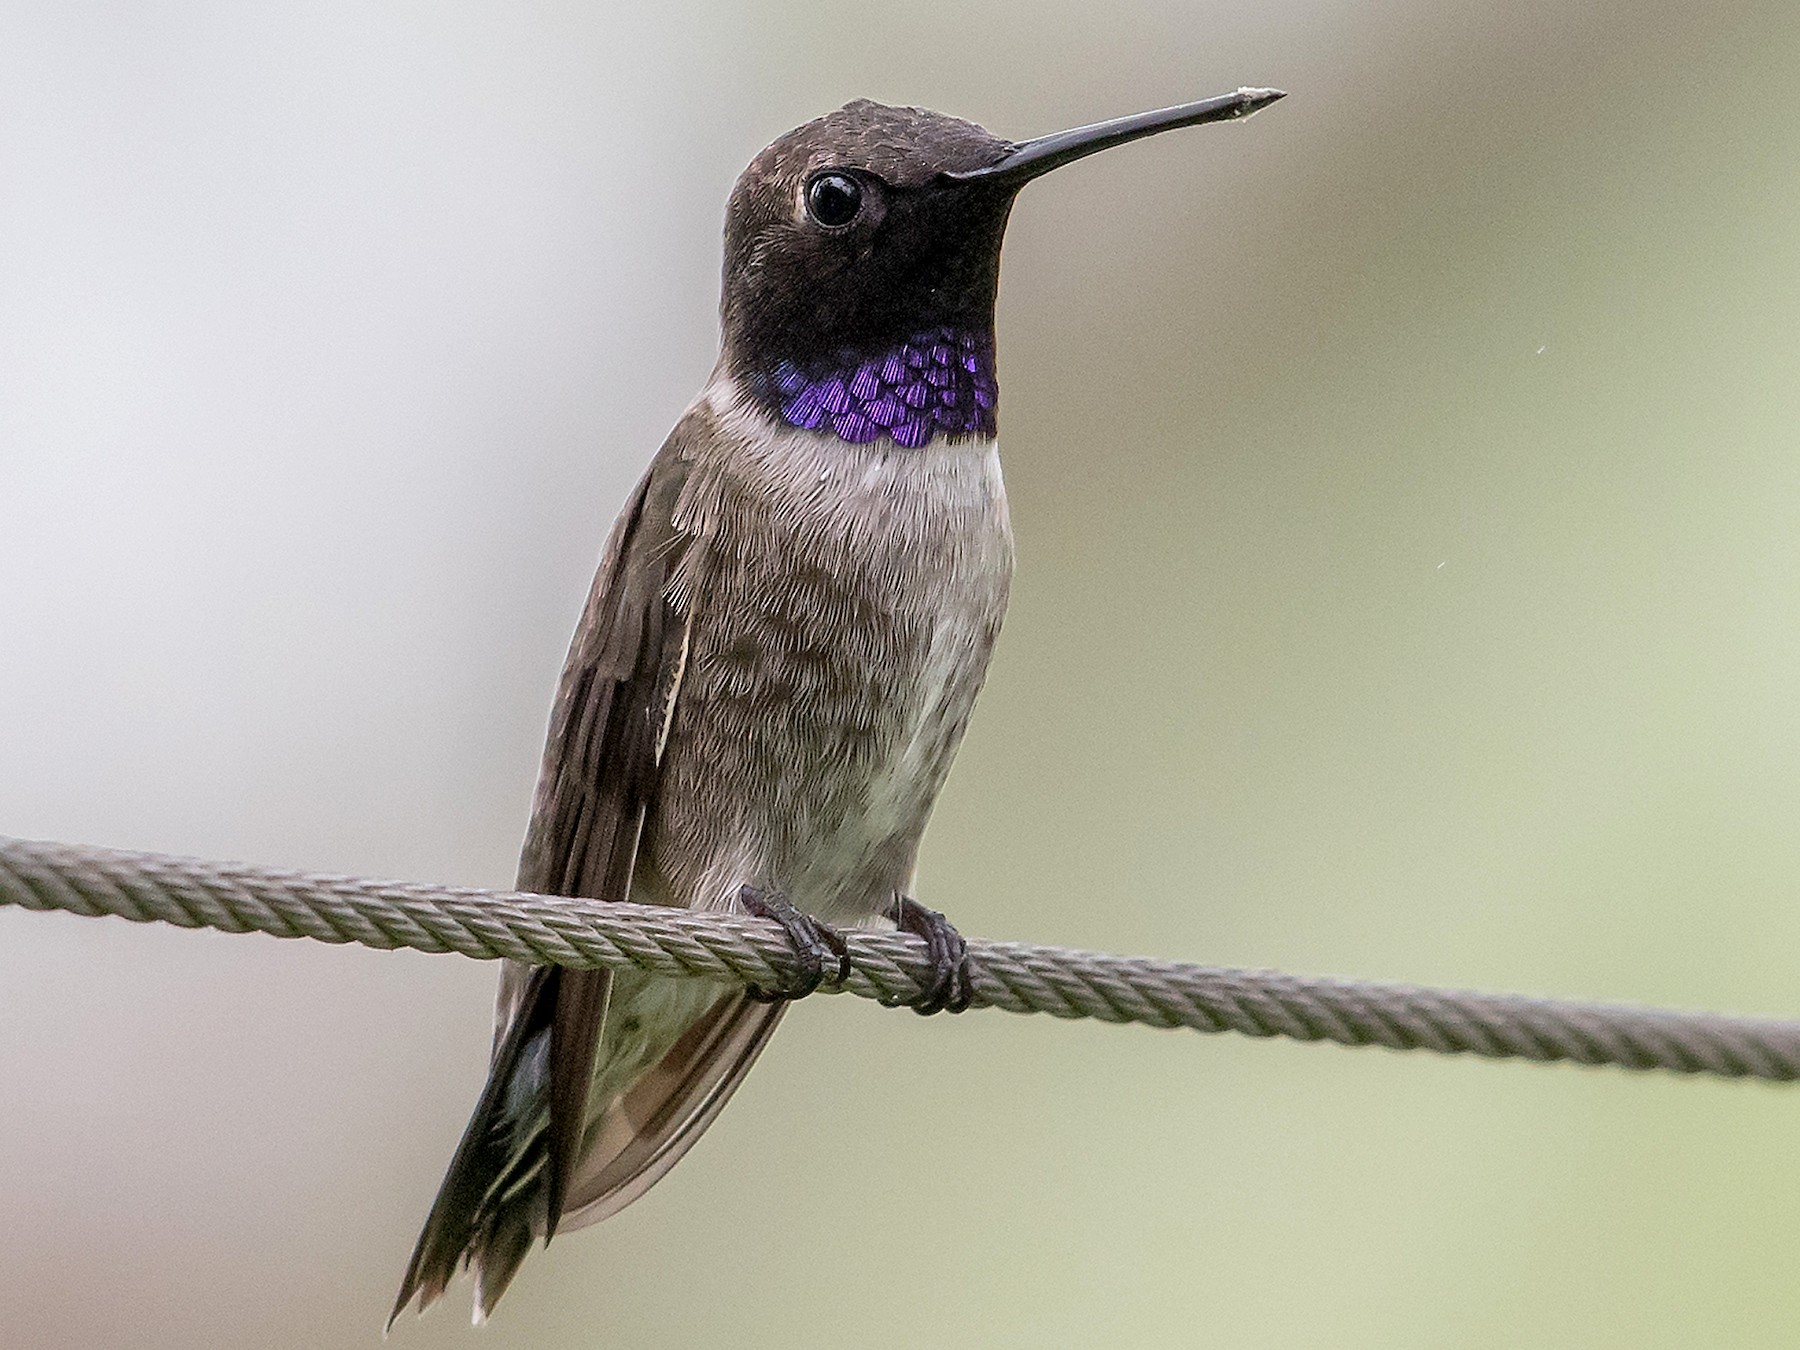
(836, 657)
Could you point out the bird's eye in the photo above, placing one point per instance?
(833, 199)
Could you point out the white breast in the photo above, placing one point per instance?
(922, 535)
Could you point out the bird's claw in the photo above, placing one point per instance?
(810, 939)
(951, 984)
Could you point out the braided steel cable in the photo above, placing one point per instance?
(560, 930)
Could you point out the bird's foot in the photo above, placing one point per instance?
(812, 942)
(950, 985)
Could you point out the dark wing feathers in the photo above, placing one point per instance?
(581, 997)
(599, 771)
(650, 1129)
(605, 775)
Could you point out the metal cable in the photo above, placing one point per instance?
(1019, 978)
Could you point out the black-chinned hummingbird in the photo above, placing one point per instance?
(789, 626)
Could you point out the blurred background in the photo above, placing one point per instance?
(1407, 487)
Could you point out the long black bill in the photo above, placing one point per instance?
(1030, 159)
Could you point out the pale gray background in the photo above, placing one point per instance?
(1408, 504)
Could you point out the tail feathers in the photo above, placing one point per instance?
(501, 1141)
(503, 1249)
(494, 1199)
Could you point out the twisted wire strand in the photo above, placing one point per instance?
(559, 930)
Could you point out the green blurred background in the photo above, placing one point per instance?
(1408, 503)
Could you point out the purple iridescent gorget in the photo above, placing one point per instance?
(939, 380)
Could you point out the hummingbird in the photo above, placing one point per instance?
(791, 621)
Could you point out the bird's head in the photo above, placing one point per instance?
(862, 257)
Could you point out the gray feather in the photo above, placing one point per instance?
(773, 672)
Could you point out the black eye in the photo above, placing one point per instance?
(833, 199)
